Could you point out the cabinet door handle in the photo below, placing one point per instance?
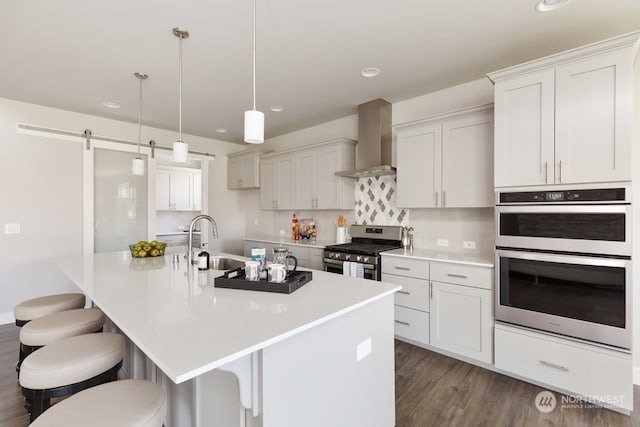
(459, 276)
(404, 292)
(430, 290)
(403, 323)
(402, 268)
(560, 177)
(553, 365)
(546, 172)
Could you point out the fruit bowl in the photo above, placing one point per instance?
(144, 249)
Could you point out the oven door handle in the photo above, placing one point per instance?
(559, 258)
(565, 208)
(339, 262)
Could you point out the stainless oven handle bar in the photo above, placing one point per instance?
(338, 262)
(562, 208)
(566, 259)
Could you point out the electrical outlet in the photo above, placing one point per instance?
(282, 232)
(469, 244)
(363, 349)
(442, 243)
(255, 221)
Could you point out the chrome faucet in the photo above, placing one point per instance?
(192, 224)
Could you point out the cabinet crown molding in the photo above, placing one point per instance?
(620, 42)
(259, 151)
(312, 146)
(443, 116)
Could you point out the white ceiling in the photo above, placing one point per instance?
(75, 54)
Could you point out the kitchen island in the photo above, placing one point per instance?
(320, 356)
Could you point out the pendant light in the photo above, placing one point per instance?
(137, 167)
(254, 119)
(180, 148)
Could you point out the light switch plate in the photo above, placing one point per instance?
(442, 243)
(12, 229)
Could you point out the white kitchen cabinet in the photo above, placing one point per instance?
(178, 189)
(569, 366)
(412, 301)
(243, 170)
(277, 182)
(567, 118)
(446, 161)
(304, 178)
(461, 310)
(443, 305)
(316, 185)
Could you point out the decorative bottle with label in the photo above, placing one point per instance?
(203, 258)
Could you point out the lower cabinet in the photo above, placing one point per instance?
(461, 320)
(596, 373)
(443, 305)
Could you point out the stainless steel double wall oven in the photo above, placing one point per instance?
(563, 262)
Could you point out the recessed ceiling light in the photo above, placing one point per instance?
(221, 130)
(276, 108)
(370, 72)
(550, 5)
(111, 104)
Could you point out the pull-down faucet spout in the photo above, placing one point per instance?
(192, 224)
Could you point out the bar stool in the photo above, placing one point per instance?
(68, 366)
(125, 403)
(41, 306)
(54, 327)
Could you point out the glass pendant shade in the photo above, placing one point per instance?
(254, 127)
(137, 166)
(180, 151)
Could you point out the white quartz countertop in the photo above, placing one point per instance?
(286, 240)
(474, 259)
(187, 327)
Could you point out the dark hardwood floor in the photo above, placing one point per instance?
(431, 390)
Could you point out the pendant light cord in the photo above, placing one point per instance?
(180, 87)
(140, 117)
(253, 26)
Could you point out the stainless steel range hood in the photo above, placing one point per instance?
(373, 152)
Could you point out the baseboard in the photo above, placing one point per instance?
(636, 375)
(6, 318)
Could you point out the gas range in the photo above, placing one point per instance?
(367, 242)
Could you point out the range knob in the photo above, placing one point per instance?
(358, 258)
(347, 257)
(333, 255)
(365, 260)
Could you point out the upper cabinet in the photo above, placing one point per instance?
(305, 178)
(567, 118)
(276, 178)
(446, 161)
(178, 189)
(243, 170)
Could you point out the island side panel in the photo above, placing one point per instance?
(315, 379)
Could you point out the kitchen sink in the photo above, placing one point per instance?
(223, 263)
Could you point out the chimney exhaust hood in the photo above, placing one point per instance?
(373, 151)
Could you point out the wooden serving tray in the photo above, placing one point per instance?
(235, 279)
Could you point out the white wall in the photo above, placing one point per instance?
(42, 191)
(635, 161)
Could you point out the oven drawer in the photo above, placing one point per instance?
(477, 277)
(414, 293)
(412, 324)
(405, 267)
(568, 365)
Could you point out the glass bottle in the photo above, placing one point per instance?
(203, 258)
